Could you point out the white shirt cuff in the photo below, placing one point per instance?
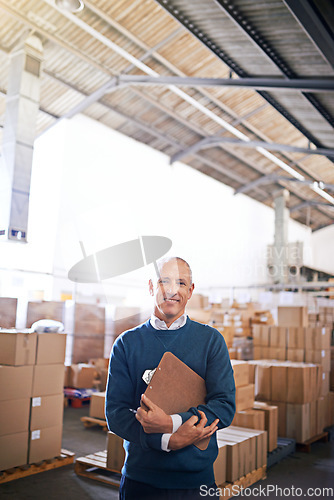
(177, 422)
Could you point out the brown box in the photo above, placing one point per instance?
(44, 310)
(13, 450)
(15, 382)
(247, 449)
(46, 411)
(232, 459)
(331, 408)
(82, 376)
(251, 419)
(295, 355)
(325, 384)
(317, 338)
(277, 353)
(279, 382)
(219, 466)
(17, 348)
(97, 404)
(244, 397)
(263, 382)
(313, 418)
(278, 336)
(45, 443)
(48, 380)
(299, 384)
(8, 306)
(115, 452)
(271, 422)
(321, 414)
(281, 426)
(241, 372)
(320, 357)
(50, 348)
(14, 416)
(296, 337)
(257, 352)
(298, 422)
(292, 316)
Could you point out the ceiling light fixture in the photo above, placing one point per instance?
(70, 5)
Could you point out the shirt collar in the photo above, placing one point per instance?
(159, 324)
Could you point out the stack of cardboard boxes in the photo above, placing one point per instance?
(295, 388)
(31, 396)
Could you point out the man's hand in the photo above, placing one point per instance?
(155, 419)
(190, 433)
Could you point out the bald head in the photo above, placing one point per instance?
(161, 262)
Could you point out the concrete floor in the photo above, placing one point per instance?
(301, 470)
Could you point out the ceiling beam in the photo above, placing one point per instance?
(312, 24)
(271, 146)
(305, 204)
(302, 84)
(268, 179)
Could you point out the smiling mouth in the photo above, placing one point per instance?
(171, 300)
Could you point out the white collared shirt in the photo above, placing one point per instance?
(159, 324)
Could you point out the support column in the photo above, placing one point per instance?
(22, 105)
(280, 249)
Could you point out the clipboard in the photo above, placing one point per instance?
(175, 388)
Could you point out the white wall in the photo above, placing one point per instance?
(104, 188)
(323, 249)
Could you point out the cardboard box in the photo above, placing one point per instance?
(46, 411)
(244, 397)
(48, 380)
(321, 357)
(251, 419)
(331, 408)
(13, 450)
(263, 382)
(298, 422)
(292, 316)
(321, 414)
(97, 404)
(14, 416)
(278, 336)
(296, 337)
(313, 418)
(82, 376)
(8, 307)
(219, 466)
(241, 372)
(317, 338)
(247, 448)
(44, 443)
(281, 420)
(279, 382)
(15, 382)
(17, 349)
(115, 452)
(276, 353)
(325, 384)
(271, 422)
(295, 355)
(299, 384)
(50, 348)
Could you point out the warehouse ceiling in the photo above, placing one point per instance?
(242, 91)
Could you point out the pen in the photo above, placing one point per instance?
(133, 411)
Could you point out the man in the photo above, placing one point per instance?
(161, 459)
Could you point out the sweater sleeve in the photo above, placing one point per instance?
(120, 400)
(219, 380)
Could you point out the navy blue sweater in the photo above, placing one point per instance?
(204, 350)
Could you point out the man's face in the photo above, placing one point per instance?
(172, 291)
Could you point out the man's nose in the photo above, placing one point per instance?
(172, 289)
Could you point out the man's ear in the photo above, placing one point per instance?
(151, 288)
(191, 289)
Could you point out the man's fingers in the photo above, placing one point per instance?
(150, 405)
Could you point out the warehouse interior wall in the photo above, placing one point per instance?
(93, 187)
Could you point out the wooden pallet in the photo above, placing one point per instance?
(91, 422)
(306, 446)
(95, 467)
(285, 447)
(228, 490)
(65, 458)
